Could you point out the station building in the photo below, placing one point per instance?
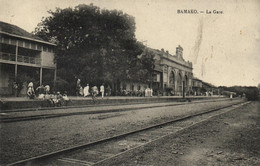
(171, 73)
(24, 55)
(197, 86)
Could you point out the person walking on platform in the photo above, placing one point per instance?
(102, 90)
(81, 92)
(94, 93)
(78, 87)
(86, 91)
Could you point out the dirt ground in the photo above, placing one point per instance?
(231, 139)
(25, 139)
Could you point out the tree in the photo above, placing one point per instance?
(251, 92)
(93, 44)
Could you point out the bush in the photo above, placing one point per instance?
(24, 78)
(252, 93)
(169, 91)
(62, 85)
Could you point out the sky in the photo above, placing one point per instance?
(224, 48)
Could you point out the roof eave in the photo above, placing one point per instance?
(27, 38)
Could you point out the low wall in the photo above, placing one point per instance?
(11, 105)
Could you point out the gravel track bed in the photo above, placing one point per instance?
(26, 139)
(230, 139)
(61, 110)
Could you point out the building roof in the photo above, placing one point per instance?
(195, 78)
(169, 57)
(208, 84)
(13, 30)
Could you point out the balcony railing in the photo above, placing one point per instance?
(20, 58)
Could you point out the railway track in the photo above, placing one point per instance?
(6, 119)
(101, 151)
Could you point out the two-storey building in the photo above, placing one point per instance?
(24, 55)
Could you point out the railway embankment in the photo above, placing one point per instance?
(25, 103)
(230, 139)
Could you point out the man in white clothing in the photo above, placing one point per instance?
(102, 90)
(86, 91)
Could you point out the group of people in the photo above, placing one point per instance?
(41, 90)
(44, 93)
(57, 99)
(87, 91)
(148, 92)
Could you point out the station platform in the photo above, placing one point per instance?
(14, 103)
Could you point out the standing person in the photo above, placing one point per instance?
(86, 90)
(15, 88)
(30, 91)
(146, 92)
(108, 91)
(231, 96)
(78, 87)
(94, 92)
(81, 91)
(102, 90)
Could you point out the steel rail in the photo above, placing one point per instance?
(77, 147)
(56, 115)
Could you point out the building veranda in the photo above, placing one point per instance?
(24, 57)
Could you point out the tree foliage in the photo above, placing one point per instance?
(95, 45)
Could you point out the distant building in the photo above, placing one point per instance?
(213, 90)
(24, 55)
(200, 88)
(171, 72)
(197, 86)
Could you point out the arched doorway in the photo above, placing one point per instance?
(179, 83)
(172, 81)
(186, 83)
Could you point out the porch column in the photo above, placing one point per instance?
(16, 55)
(41, 76)
(176, 85)
(55, 76)
(183, 89)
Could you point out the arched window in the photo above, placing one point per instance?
(186, 82)
(180, 83)
(172, 79)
